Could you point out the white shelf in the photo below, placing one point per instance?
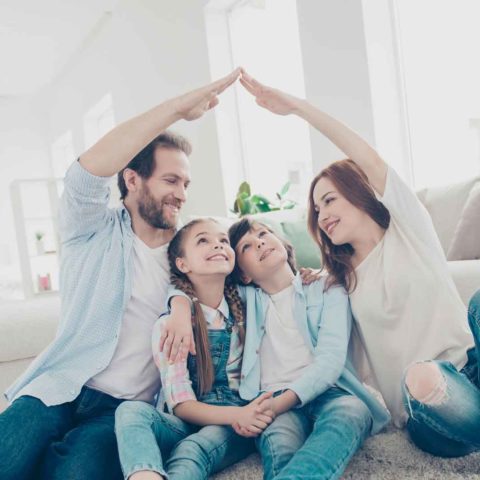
(24, 193)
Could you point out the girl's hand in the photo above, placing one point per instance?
(194, 104)
(310, 275)
(272, 99)
(255, 417)
(243, 432)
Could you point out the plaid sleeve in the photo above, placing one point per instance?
(176, 383)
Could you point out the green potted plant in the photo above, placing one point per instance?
(39, 235)
(247, 203)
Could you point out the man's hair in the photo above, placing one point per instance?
(144, 162)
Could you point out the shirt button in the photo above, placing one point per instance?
(72, 392)
(242, 376)
(256, 351)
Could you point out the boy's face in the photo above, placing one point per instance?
(259, 253)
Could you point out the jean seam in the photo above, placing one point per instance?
(341, 463)
(269, 444)
(217, 448)
(165, 423)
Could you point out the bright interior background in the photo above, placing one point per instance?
(403, 73)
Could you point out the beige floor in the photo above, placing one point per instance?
(387, 456)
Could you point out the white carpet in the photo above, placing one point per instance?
(387, 456)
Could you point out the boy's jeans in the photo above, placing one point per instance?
(315, 441)
(71, 440)
(163, 443)
(451, 428)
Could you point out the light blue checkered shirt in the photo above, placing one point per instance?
(95, 286)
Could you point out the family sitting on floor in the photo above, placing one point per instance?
(182, 350)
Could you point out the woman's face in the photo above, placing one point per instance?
(259, 254)
(337, 217)
(206, 250)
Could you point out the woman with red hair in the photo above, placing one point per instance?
(411, 339)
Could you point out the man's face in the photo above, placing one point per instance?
(161, 196)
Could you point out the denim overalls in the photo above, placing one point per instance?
(220, 394)
(157, 441)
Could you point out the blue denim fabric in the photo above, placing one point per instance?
(451, 428)
(152, 440)
(317, 440)
(71, 440)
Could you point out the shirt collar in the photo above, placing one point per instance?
(297, 283)
(210, 313)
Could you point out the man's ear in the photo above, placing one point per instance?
(182, 265)
(132, 179)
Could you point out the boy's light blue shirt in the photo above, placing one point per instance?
(95, 286)
(324, 318)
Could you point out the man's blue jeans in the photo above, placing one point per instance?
(163, 443)
(73, 440)
(315, 441)
(451, 428)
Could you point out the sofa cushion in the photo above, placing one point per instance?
(465, 244)
(444, 205)
(307, 253)
(27, 326)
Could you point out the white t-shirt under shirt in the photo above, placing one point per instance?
(406, 306)
(283, 352)
(132, 374)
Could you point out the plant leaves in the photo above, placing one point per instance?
(284, 189)
(244, 188)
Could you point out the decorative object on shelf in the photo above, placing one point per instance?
(44, 283)
(248, 204)
(39, 242)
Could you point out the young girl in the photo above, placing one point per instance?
(296, 348)
(379, 242)
(203, 391)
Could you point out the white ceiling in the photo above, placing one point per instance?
(37, 37)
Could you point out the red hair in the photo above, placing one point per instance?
(352, 183)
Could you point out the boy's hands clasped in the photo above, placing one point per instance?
(255, 417)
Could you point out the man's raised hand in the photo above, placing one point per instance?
(194, 104)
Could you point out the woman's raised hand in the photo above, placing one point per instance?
(272, 99)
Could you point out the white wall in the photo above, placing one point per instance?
(336, 72)
(143, 53)
(23, 154)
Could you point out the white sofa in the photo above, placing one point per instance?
(26, 328)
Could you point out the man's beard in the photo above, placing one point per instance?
(151, 212)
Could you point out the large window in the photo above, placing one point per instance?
(267, 150)
(63, 154)
(425, 79)
(98, 120)
(439, 43)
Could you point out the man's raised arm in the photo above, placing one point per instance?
(113, 151)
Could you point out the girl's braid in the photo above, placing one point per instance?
(236, 307)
